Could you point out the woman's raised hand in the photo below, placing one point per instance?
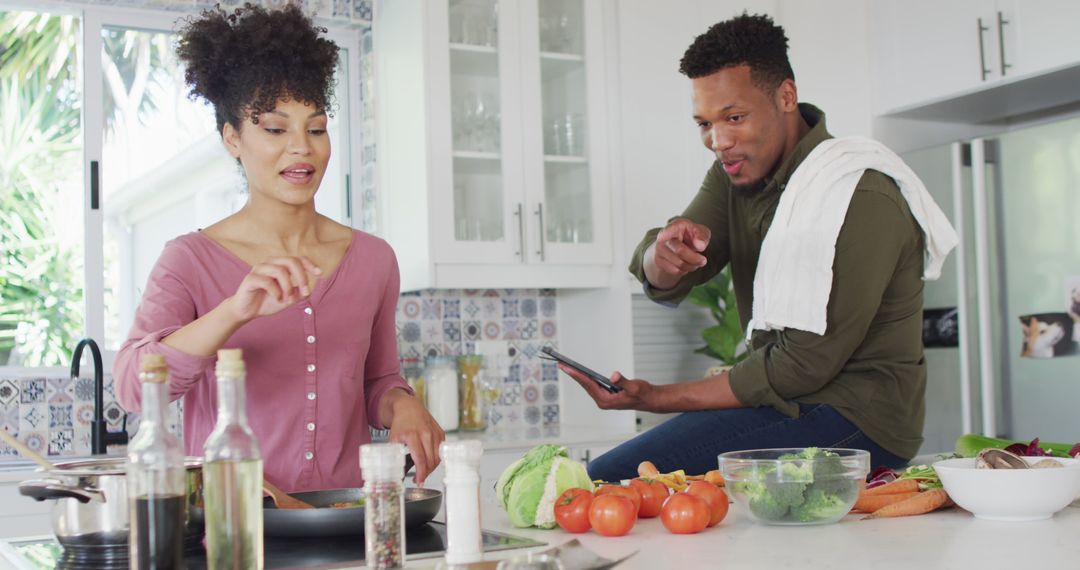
(272, 286)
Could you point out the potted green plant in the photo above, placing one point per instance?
(724, 340)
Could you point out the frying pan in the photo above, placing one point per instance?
(421, 505)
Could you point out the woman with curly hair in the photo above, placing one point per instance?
(311, 302)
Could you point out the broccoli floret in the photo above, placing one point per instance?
(796, 472)
(819, 506)
(786, 494)
(806, 453)
(761, 501)
(828, 463)
(831, 475)
(788, 483)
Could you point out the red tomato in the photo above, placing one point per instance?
(612, 515)
(684, 513)
(653, 493)
(572, 510)
(714, 496)
(628, 492)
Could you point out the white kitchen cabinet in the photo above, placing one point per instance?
(1046, 34)
(22, 516)
(929, 51)
(492, 146)
(588, 452)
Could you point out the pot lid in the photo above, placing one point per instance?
(105, 466)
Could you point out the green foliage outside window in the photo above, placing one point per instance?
(41, 314)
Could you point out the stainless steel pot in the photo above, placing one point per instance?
(91, 508)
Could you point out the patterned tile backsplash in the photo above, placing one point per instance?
(451, 322)
(53, 414)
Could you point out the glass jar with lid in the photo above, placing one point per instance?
(441, 384)
(414, 377)
(471, 393)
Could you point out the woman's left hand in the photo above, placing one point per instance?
(412, 425)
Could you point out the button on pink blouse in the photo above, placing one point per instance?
(316, 371)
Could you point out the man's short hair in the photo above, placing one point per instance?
(753, 40)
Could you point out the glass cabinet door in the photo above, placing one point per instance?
(476, 119)
(566, 216)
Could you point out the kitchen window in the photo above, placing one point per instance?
(106, 159)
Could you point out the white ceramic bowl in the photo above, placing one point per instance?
(1010, 494)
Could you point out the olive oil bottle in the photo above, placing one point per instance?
(232, 476)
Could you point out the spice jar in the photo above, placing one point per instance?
(410, 368)
(471, 395)
(383, 466)
(441, 383)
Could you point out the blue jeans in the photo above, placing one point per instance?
(692, 441)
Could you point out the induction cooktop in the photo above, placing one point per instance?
(428, 541)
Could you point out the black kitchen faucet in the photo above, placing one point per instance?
(100, 437)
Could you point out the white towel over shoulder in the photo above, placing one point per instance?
(795, 268)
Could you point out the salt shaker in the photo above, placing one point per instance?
(382, 466)
(462, 481)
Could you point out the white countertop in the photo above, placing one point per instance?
(947, 539)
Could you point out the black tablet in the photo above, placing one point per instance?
(596, 377)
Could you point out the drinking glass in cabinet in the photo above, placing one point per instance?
(476, 120)
(561, 27)
(555, 33)
(565, 136)
(474, 22)
(567, 231)
(472, 229)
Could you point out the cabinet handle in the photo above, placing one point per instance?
(1001, 41)
(519, 214)
(982, 51)
(540, 216)
(587, 457)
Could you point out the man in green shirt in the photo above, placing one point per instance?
(861, 384)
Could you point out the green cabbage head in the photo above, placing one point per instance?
(528, 488)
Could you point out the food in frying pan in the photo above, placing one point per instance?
(348, 504)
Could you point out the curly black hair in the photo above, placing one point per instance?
(752, 40)
(245, 61)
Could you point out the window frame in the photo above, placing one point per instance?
(93, 19)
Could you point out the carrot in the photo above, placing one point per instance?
(893, 487)
(921, 503)
(647, 469)
(713, 477)
(871, 503)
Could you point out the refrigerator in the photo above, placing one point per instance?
(1002, 357)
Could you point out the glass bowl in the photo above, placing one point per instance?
(795, 486)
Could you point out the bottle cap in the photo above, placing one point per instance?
(466, 452)
(230, 362)
(382, 461)
(439, 359)
(152, 368)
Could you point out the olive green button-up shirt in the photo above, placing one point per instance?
(869, 364)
